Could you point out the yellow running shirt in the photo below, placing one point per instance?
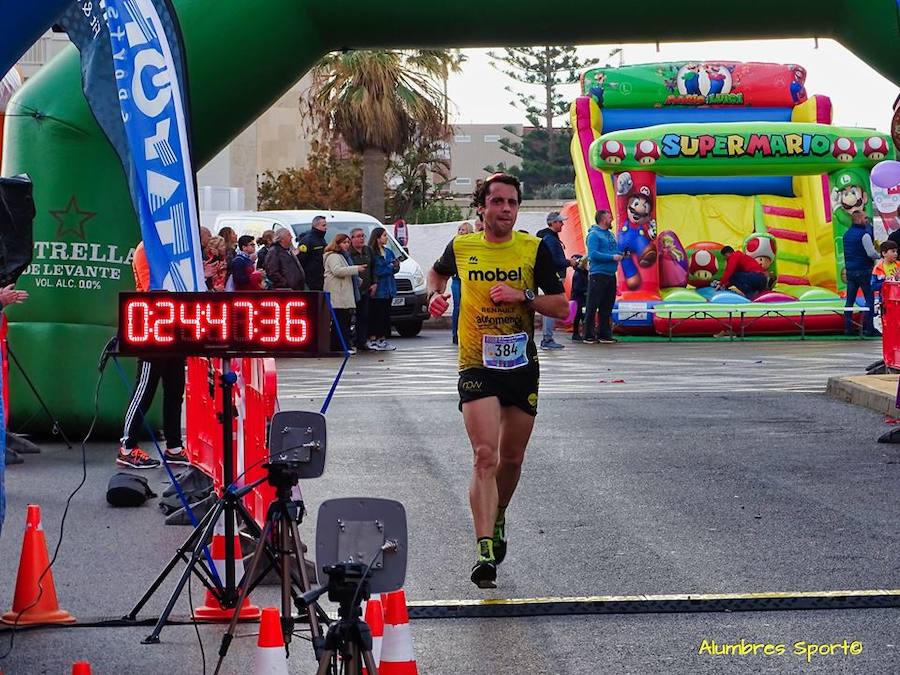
(522, 262)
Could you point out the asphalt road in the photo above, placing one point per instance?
(654, 469)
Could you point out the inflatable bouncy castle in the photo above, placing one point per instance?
(691, 157)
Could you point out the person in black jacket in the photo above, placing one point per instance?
(578, 293)
(282, 266)
(310, 251)
(550, 236)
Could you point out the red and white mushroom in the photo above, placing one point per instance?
(612, 152)
(761, 247)
(646, 151)
(702, 268)
(844, 149)
(875, 147)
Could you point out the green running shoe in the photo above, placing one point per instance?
(499, 540)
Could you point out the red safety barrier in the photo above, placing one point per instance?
(890, 323)
(254, 403)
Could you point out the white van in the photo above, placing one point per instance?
(408, 309)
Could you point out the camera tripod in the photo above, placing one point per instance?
(230, 592)
(280, 541)
(348, 644)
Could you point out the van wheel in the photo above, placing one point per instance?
(409, 329)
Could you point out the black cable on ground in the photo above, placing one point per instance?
(196, 628)
(62, 523)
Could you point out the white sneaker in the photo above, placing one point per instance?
(386, 346)
(373, 345)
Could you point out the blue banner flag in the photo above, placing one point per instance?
(134, 80)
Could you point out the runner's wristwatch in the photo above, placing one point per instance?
(529, 296)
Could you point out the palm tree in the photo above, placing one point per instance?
(378, 102)
(443, 61)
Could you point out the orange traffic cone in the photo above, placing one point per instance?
(212, 609)
(271, 658)
(81, 668)
(397, 649)
(375, 620)
(31, 605)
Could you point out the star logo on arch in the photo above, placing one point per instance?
(71, 219)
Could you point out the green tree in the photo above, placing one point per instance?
(326, 182)
(378, 102)
(418, 176)
(543, 150)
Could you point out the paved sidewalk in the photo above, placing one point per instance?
(876, 392)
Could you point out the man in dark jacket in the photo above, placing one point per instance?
(282, 266)
(362, 255)
(550, 235)
(311, 251)
(859, 258)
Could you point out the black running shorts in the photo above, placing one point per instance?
(517, 387)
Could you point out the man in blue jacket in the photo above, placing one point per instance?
(603, 261)
(550, 235)
(859, 258)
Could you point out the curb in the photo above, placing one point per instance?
(875, 392)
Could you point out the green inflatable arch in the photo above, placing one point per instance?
(241, 56)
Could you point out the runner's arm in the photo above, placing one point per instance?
(440, 272)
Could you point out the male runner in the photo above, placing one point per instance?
(500, 271)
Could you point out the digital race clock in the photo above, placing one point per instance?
(277, 323)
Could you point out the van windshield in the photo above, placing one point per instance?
(345, 228)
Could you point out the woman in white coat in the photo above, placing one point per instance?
(342, 282)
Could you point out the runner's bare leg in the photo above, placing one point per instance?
(482, 418)
(515, 431)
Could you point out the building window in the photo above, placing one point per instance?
(491, 138)
(462, 138)
(463, 181)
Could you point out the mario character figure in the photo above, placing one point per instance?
(691, 78)
(595, 91)
(636, 236)
(716, 79)
(798, 90)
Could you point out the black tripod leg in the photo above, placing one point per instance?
(314, 628)
(286, 549)
(57, 427)
(244, 589)
(180, 555)
(325, 662)
(369, 662)
(153, 638)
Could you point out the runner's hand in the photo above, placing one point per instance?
(10, 296)
(502, 293)
(439, 304)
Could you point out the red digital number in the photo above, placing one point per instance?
(296, 325)
(189, 316)
(137, 322)
(167, 309)
(272, 332)
(249, 331)
(212, 308)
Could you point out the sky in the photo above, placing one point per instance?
(859, 95)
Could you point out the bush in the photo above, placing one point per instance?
(436, 212)
(556, 191)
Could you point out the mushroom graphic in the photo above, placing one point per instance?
(702, 268)
(761, 247)
(875, 148)
(646, 152)
(844, 149)
(612, 152)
